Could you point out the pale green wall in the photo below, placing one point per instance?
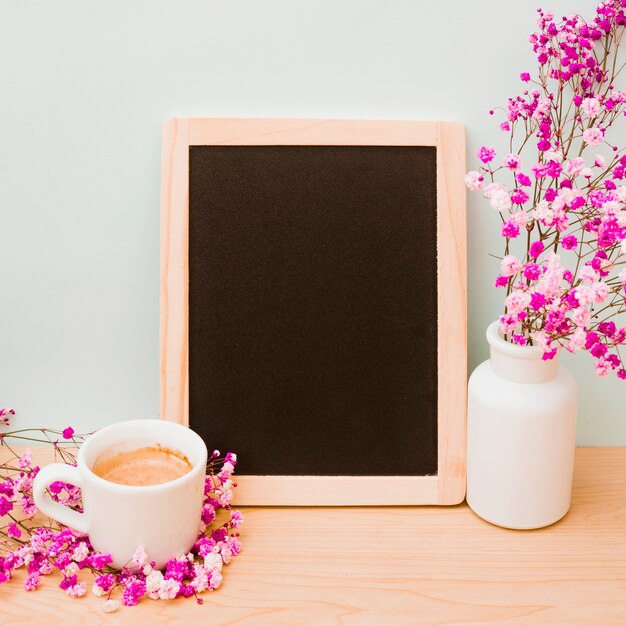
(85, 87)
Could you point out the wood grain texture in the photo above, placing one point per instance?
(397, 566)
(293, 132)
(174, 271)
(452, 311)
(449, 139)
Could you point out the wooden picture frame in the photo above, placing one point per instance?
(448, 486)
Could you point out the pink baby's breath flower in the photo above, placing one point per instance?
(5, 506)
(590, 106)
(226, 497)
(68, 433)
(5, 415)
(32, 581)
(593, 136)
(600, 161)
(510, 230)
(519, 339)
(536, 248)
(14, 531)
(512, 162)
(226, 471)
(236, 519)
(588, 274)
(600, 292)
(25, 459)
(517, 301)
(524, 77)
(80, 552)
(576, 341)
(575, 166)
(570, 242)
(140, 558)
(77, 590)
(215, 579)
(602, 367)
(581, 316)
(486, 154)
(541, 339)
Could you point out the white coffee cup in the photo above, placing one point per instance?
(164, 519)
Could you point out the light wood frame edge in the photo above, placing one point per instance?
(448, 487)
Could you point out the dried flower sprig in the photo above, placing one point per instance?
(565, 280)
(42, 545)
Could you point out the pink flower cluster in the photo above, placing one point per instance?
(43, 549)
(563, 211)
(5, 415)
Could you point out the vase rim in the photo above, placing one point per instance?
(496, 340)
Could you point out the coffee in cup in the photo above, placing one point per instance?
(147, 465)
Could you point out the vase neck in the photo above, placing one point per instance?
(519, 364)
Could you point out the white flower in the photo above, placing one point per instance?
(213, 561)
(70, 570)
(517, 301)
(140, 558)
(553, 261)
(588, 274)
(611, 208)
(550, 155)
(621, 219)
(584, 295)
(510, 265)
(153, 581)
(621, 193)
(500, 200)
(168, 589)
(80, 552)
(473, 181)
(600, 292)
(519, 218)
(581, 316)
(110, 606)
(543, 213)
(489, 189)
(97, 591)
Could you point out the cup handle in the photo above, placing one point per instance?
(61, 513)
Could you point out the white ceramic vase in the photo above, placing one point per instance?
(521, 436)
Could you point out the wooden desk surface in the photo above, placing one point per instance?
(397, 565)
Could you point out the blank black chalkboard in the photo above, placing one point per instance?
(313, 307)
(313, 315)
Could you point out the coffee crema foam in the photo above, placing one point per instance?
(149, 465)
